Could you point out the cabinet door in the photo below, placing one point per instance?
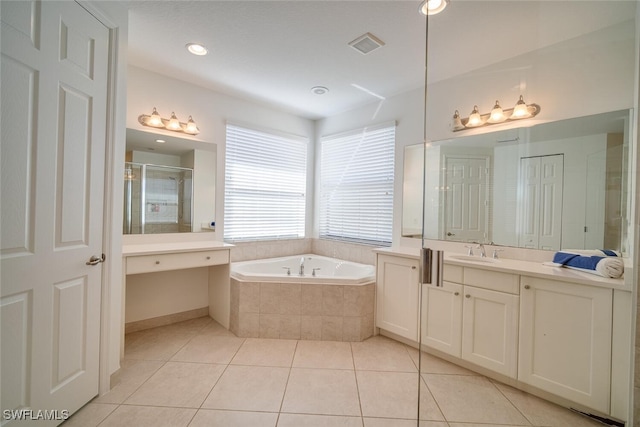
(397, 295)
(565, 340)
(490, 330)
(442, 317)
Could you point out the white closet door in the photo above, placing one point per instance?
(551, 184)
(54, 97)
(540, 188)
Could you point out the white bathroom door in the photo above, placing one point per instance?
(466, 198)
(54, 98)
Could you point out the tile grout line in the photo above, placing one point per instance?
(221, 374)
(286, 385)
(511, 402)
(355, 376)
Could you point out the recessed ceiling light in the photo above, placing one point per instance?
(160, 141)
(197, 49)
(319, 90)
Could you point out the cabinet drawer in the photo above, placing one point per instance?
(452, 273)
(493, 280)
(175, 261)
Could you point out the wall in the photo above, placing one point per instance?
(406, 109)
(635, 203)
(211, 110)
(576, 152)
(553, 77)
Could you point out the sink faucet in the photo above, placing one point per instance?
(301, 272)
(483, 253)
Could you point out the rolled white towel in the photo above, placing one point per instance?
(610, 267)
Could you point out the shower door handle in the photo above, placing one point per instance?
(432, 263)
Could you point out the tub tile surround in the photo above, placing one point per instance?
(302, 311)
(283, 383)
(247, 251)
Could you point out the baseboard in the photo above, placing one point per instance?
(154, 322)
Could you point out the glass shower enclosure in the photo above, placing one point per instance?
(157, 199)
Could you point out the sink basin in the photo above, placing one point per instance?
(474, 259)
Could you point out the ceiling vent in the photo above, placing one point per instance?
(366, 43)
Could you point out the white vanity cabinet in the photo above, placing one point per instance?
(142, 262)
(565, 340)
(471, 322)
(397, 282)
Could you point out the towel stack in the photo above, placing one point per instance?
(603, 262)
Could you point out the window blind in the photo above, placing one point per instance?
(356, 185)
(265, 185)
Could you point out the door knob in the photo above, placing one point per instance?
(94, 260)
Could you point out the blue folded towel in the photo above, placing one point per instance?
(577, 261)
(607, 266)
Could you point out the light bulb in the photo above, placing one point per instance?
(431, 7)
(191, 127)
(520, 111)
(474, 118)
(197, 49)
(173, 124)
(456, 124)
(154, 119)
(497, 115)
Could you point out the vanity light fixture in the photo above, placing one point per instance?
(431, 7)
(522, 110)
(173, 124)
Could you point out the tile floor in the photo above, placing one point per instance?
(196, 373)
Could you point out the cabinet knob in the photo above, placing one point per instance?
(208, 257)
(527, 286)
(157, 262)
(413, 267)
(467, 296)
(456, 293)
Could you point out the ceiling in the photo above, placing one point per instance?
(274, 52)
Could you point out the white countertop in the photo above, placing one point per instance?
(173, 247)
(526, 268)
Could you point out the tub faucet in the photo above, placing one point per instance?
(301, 272)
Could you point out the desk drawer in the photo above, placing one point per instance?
(175, 261)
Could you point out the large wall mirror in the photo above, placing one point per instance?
(169, 184)
(552, 186)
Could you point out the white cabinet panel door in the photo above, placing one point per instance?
(54, 98)
(442, 317)
(397, 295)
(490, 330)
(565, 340)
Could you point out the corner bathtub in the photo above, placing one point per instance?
(287, 269)
(336, 304)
